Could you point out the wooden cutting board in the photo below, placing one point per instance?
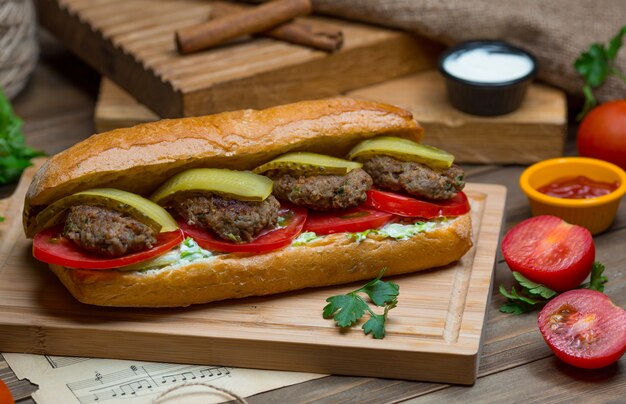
(535, 132)
(132, 42)
(434, 334)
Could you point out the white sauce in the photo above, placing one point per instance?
(484, 65)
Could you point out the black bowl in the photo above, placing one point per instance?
(492, 98)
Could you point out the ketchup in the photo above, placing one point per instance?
(580, 187)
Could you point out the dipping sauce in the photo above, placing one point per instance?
(580, 187)
(488, 64)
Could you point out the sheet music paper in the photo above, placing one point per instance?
(67, 380)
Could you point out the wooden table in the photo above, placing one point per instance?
(516, 364)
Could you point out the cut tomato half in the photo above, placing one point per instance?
(407, 206)
(50, 247)
(550, 251)
(584, 328)
(350, 220)
(293, 217)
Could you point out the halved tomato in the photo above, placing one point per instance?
(584, 328)
(350, 220)
(407, 206)
(50, 247)
(5, 394)
(550, 251)
(293, 216)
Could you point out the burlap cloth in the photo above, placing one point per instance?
(555, 31)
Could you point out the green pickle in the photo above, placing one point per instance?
(309, 163)
(403, 149)
(138, 207)
(241, 185)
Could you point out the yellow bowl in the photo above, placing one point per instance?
(596, 214)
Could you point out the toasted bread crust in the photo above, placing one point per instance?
(333, 260)
(140, 158)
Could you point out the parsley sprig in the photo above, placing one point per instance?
(347, 309)
(595, 65)
(533, 295)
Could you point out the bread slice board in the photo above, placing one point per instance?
(535, 132)
(434, 334)
(132, 42)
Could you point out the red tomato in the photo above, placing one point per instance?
(550, 251)
(266, 241)
(350, 220)
(407, 206)
(602, 134)
(50, 247)
(584, 328)
(5, 394)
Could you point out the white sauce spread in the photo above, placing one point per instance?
(484, 65)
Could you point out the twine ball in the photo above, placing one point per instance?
(18, 44)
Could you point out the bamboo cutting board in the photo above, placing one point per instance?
(535, 132)
(433, 335)
(132, 42)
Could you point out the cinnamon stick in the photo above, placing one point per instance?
(248, 21)
(313, 35)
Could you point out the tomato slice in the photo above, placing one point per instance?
(350, 220)
(50, 247)
(407, 206)
(5, 394)
(267, 241)
(550, 251)
(584, 328)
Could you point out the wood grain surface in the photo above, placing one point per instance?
(516, 365)
(132, 42)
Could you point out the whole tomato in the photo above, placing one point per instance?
(602, 134)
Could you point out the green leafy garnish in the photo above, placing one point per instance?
(15, 156)
(1, 219)
(533, 295)
(597, 280)
(596, 65)
(347, 309)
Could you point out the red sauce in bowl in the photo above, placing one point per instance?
(580, 187)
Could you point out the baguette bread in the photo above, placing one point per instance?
(141, 158)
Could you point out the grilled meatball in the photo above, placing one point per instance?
(231, 219)
(414, 178)
(107, 232)
(323, 192)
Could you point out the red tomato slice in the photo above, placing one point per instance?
(584, 328)
(266, 241)
(5, 394)
(407, 206)
(50, 247)
(547, 250)
(350, 220)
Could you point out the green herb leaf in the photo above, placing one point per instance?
(597, 279)
(534, 288)
(349, 308)
(376, 326)
(616, 43)
(595, 65)
(381, 292)
(1, 219)
(345, 309)
(516, 308)
(15, 156)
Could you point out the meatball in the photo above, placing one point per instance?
(107, 232)
(231, 219)
(414, 178)
(323, 192)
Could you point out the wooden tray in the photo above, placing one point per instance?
(434, 334)
(535, 132)
(132, 42)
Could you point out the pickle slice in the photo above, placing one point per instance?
(309, 163)
(241, 185)
(138, 207)
(403, 149)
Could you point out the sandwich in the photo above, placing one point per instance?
(246, 203)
